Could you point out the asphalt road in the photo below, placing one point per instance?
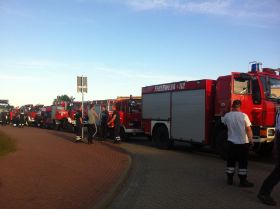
(183, 178)
(49, 171)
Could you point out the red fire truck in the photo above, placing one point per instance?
(59, 115)
(191, 111)
(29, 114)
(130, 110)
(46, 117)
(32, 113)
(130, 113)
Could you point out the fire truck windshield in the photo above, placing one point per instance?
(135, 106)
(272, 87)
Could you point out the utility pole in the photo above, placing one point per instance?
(82, 88)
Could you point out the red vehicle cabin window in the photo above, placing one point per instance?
(241, 86)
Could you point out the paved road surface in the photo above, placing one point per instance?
(182, 179)
(49, 171)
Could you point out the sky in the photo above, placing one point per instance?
(123, 45)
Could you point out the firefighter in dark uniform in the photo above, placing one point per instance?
(115, 122)
(273, 179)
(103, 122)
(21, 119)
(4, 118)
(79, 124)
(239, 138)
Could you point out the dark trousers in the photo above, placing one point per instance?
(237, 153)
(103, 130)
(117, 132)
(91, 130)
(79, 130)
(4, 122)
(274, 177)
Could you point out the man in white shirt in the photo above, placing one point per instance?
(92, 116)
(239, 136)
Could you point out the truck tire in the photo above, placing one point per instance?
(161, 137)
(222, 144)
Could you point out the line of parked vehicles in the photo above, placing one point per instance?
(184, 111)
(61, 115)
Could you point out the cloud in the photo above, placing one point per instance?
(148, 5)
(143, 77)
(33, 68)
(252, 10)
(205, 7)
(101, 70)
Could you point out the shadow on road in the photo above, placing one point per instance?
(63, 135)
(202, 151)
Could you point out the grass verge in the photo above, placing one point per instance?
(7, 144)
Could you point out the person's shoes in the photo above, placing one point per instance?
(246, 184)
(117, 141)
(267, 200)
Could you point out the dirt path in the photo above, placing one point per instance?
(49, 171)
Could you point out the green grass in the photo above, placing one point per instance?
(7, 144)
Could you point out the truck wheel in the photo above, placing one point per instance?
(161, 138)
(222, 144)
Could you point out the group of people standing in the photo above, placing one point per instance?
(106, 124)
(240, 137)
(19, 120)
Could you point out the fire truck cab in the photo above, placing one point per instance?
(130, 110)
(130, 113)
(259, 92)
(59, 115)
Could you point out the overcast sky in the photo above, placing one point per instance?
(123, 45)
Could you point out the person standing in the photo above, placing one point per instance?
(239, 136)
(274, 177)
(92, 116)
(4, 118)
(115, 122)
(21, 119)
(79, 124)
(103, 122)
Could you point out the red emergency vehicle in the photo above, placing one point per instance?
(59, 115)
(191, 111)
(130, 110)
(33, 113)
(130, 113)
